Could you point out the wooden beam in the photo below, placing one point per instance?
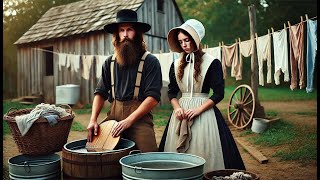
(253, 151)
(259, 109)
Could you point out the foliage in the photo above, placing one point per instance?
(18, 18)
(226, 20)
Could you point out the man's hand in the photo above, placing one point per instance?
(92, 130)
(121, 126)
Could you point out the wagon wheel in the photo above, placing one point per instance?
(241, 106)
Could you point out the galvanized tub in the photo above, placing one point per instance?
(35, 167)
(259, 125)
(79, 163)
(162, 165)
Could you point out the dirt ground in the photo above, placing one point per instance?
(274, 169)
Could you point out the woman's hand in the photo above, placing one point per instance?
(179, 113)
(192, 113)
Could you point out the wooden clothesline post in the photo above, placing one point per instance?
(259, 110)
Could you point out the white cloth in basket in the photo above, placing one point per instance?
(25, 121)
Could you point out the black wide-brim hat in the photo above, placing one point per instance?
(127, 16)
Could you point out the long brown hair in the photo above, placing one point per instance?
(197, 59)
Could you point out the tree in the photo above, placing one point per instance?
(18, 17)
(227, 20)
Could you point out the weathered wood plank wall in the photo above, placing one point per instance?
(32, 62)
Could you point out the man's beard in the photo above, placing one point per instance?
(127, 52)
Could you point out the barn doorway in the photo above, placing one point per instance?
(48, 80)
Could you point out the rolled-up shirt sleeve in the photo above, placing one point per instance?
(153, 78)
(173, 88)
(104, 84)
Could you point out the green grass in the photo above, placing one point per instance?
(76, 126)
(299, 143)
(87, 109)
(304, 153)
(6, 107)
(306, 113)
(161, 115)
(280, 132)
(275, 94)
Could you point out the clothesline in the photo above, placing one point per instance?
(271, 32)
(54, 52)
(297, 23)
(237, 42)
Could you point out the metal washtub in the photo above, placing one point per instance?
(35, 167)
(162, 165)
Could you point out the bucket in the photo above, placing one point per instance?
(79, 163)
(162, 165)
(67, 94)
(259, 125)
(35, 167)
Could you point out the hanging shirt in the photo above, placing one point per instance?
(74, 62)
(296, 55)
(165, 60)
(99, 62)
(86, 64)
(214, 52)
(62, 60)
(280, 49)
(264, 54)
(246, 50)
(311, 52)
(230, 58)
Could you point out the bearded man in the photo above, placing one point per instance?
(131, 80)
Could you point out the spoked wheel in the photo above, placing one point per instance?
(241, 106)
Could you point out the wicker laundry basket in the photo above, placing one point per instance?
(41, 138)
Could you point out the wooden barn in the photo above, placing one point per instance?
(77, 29)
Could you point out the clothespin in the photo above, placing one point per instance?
(219, 44)
(288, 24)
(307, 17)
(284, 26)
(269, 31)
(272, 30)
(239, 40)
(222, 43)
(301, 18)
(256, 34)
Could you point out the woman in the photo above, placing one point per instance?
(196, 125)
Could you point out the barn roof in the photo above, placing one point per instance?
(76, 18)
